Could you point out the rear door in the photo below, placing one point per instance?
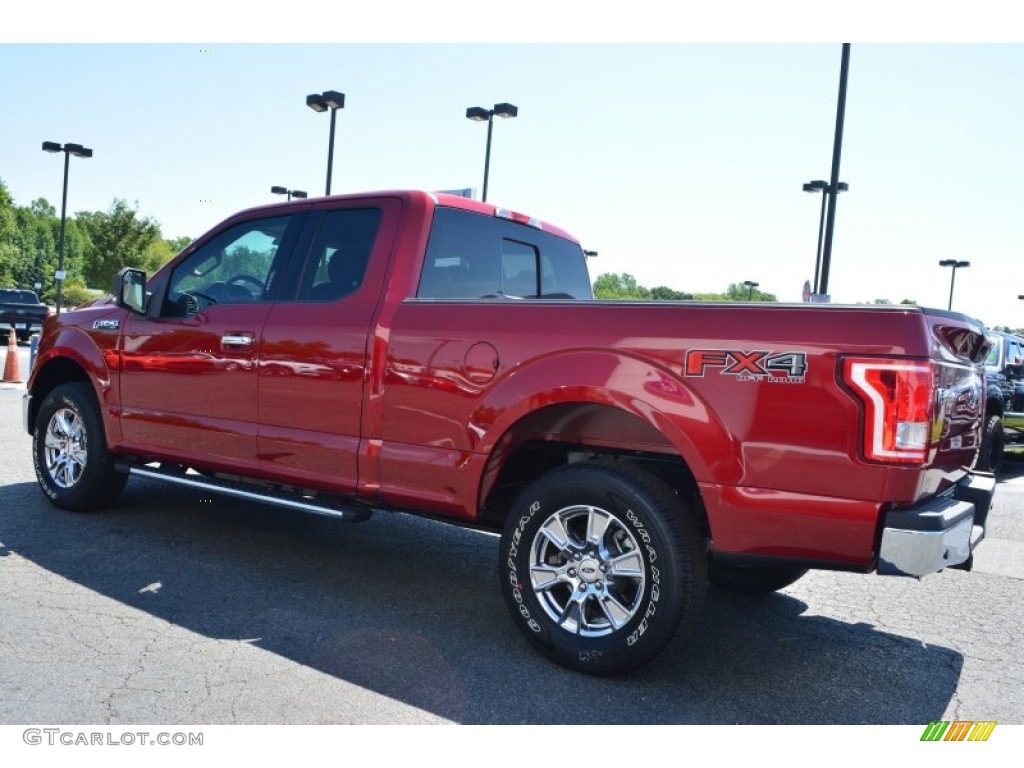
(313, 361)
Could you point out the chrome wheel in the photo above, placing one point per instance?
(587, 571)
(64, 448)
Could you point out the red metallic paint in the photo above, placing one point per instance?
(756, 521)
(388, 397)
(71, 337)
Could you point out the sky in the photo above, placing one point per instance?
(681, 163)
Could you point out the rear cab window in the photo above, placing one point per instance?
(475, 256)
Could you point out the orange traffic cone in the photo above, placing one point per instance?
(12, 367)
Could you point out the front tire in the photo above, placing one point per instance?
(69, 451)
(601, 565)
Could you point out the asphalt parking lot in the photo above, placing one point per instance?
(176, 608)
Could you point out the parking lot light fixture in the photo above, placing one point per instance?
(479, 114)
(751, 285)
(296, 193)
(952, 278)
(78, 151)
(321, 102)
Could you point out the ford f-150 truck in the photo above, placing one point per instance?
(429, 354)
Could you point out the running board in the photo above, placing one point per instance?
(350, 513)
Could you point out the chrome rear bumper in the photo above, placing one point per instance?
(939, 533)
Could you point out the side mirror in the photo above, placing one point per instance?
(130, 290)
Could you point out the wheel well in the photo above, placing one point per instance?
(58, 371)
(573, 432)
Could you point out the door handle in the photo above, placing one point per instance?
(237, 340)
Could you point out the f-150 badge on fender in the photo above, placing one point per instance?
(106, 325)
(781, 367)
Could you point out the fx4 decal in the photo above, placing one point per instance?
(782, 367)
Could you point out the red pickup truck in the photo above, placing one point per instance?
(440, 356)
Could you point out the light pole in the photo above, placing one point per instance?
(952, 279)
(837, 148)
(296, 193)
(479, 114)
(78, 151)
(751, 285)
(321, 102)
(823, 187)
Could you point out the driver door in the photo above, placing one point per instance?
(188, 368)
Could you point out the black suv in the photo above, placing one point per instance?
(1004, 399)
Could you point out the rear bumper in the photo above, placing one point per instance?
(941, 532)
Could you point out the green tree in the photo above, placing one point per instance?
(664, 293)
(74, 293)
(119, 238)
(177, 244)
(8, 249)
(741, 292)
(615, 286)
(157, 253)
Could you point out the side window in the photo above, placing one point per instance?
(341, 251)
(235, 267)
(463, 260)
(472, 256)
(1014, 357)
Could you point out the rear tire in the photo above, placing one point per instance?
(990, 455)
(753, 579)
(601, 565)
(69, 451)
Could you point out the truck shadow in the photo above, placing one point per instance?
(1013, 465)
(410, 609)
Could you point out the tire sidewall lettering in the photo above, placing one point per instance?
(513, 568)
(608, 647)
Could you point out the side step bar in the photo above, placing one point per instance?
(328, 506)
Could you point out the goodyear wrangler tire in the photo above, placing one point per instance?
(69, 451)
(601, 565)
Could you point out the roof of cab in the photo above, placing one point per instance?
(439, 198)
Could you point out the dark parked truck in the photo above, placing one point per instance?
(1004, 400)
(21, 311)
(404, 351)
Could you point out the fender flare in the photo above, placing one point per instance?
(615, 379)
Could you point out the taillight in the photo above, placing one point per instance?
(897, 397)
